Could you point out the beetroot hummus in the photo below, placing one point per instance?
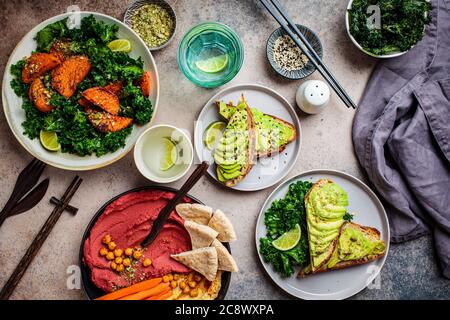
(128, 220)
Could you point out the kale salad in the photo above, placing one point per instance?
(283, 215)
(402, 24)
(76, 87)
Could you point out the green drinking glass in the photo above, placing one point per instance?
(210, 54)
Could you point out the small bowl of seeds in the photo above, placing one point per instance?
(287, 59)
(154, 21)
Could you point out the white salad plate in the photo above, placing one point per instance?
(267, 171)
(337, 284)
(15, 114)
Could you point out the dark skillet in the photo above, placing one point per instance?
(89, 288)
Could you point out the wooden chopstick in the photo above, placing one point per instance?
(170, 206)
(307, 49)
(39, 240)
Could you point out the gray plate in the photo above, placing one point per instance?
(339, 284)
(267, 171)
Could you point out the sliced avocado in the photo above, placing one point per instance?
(220, 177)
(225, 110)
(325, 208)
(231, 168)
(229, 175)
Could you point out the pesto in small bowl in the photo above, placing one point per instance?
(154, 21)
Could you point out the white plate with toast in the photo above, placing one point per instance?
(336, 284)
(267, 171)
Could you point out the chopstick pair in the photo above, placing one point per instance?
(39, 240)
(278, 12)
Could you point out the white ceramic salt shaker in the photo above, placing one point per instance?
(313, 96)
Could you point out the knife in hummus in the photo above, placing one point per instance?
(170, 206)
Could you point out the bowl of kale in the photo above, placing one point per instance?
(64, 77)
(387, 28)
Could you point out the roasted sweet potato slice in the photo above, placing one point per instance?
(115, 87)
(67, 76)
(38, 64)
(103, 98)
(105, 122)
(62, 49)
(40, 96)
(145, 84)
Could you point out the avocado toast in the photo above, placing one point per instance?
(234, 152)
(272, 133)
(333, 242)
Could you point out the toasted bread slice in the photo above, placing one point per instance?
(249, 134)
(264, 145)
(37, 65)
(105, 122)
(40, 96)
(272, 150)
(103, 98)
(370, 233)
(67, 76)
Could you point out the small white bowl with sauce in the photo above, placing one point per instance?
(150, 149)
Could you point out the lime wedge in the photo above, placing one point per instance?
(288, 240)
(49, 140)
(214, 64)
(170, 156)
(213, 133)
(122, 45)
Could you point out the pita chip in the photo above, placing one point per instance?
(201, 236)
(194, 212)
(225, 259)
(203, 260)
(223, 226)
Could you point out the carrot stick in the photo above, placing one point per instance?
(162, 296)
(147, 293)
(141, 286)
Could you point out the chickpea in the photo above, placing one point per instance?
(110, 256)
(137, 255)
(128, 252)
(147, 262)
(103, 251)
(190, 277)
(173, 284)
(126, 262)
(106, 239)
(197, 278)
(192, 284)
(182, 285)
(166, 279)
(186, 289)
(176, 277)
(120, 268)
(112, 245)
(118, 260)
(113, 265)
(194, 293)
(170, 277)
(118, 252)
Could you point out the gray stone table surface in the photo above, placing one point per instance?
(411, 271)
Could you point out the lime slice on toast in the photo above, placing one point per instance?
(214, 64)
(169, 156)
(213, 133)
(288, 240)
(49, 140)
